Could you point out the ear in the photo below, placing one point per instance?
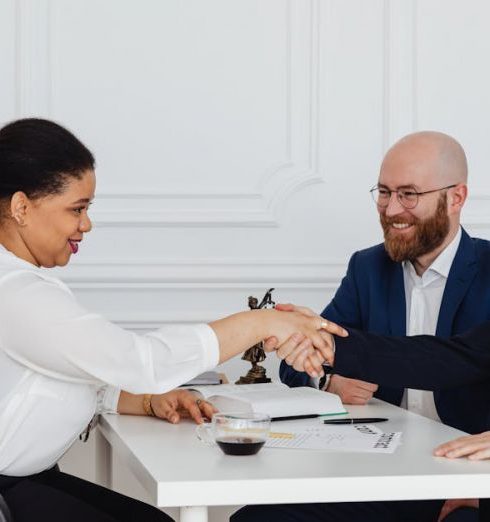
(456, 198)
(19, 204)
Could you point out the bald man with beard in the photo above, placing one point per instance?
(428, 277)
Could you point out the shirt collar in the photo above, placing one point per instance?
(442, 263)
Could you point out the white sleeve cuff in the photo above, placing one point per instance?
(327, 381)
(315, 382)
(211, 346)
(107, 399)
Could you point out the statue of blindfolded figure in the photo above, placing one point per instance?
(255, 354)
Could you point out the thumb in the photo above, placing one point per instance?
(270, 344)
(285, 307)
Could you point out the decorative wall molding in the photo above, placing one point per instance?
(400, 70)
(144, 294)
(174, 209)
(209, 273)
(257, 208)
(33, 75)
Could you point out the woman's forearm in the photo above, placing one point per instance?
(130, 404)
(238, 332)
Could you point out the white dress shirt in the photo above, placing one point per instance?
(59, 364)
(423, 297)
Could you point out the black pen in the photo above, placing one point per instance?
(365, 420)
(295, 417)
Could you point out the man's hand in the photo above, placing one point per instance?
(298, 351)
(177, 404)
(474, 447)
(455, 503)
(351, 391)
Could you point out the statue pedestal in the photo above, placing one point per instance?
(254, 376)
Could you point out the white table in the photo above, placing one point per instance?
(179, 470)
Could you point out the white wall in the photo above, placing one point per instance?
(236, 140)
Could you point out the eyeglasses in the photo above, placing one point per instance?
(408, 197)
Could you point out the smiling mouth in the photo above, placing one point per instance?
(73, 246)
(401, 226)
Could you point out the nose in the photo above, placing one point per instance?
(394, 206)
(85, 223)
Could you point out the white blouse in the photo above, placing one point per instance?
(59, 364)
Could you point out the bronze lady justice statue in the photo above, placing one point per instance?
(256, 353)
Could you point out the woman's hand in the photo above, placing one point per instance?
(239, 331)
(474, 447)
(177, 404)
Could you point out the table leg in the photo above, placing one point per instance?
(194, 514)
(103, 460)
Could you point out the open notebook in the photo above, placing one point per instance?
(274, 399)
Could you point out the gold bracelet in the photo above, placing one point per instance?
(147, 405)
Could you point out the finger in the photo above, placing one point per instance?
(446, 509)
(480, 455)
(299, 361)
(465, 450)
(313, 364)
(303, 346)
(363, 396)
(367, 386)
(442, 449)
(289, 307)
(171, 415)
(305, 311)
(311, 370)
(332, 328)
(324, 345)
(317, 361)
(166, 409)
(270, 344)
(289, 345)
(357, 401)
(285, 307)
(194, 410)
(327, 338)
(207, 409)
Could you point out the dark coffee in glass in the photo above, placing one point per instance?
(240, 433)
(240, 445)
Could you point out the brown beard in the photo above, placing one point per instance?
(429, 234)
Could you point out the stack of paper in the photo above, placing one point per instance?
(350, 437)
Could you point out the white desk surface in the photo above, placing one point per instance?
(177, 469)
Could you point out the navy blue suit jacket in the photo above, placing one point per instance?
(371, 298)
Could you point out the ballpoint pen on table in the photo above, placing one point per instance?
(365, 420)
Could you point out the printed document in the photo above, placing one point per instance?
(350, 437)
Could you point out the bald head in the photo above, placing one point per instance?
(429, 158)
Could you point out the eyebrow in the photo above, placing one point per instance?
(83, 200)
(399, 187)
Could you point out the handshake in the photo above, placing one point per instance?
(309, 345)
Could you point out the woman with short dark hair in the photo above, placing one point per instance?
(59, 363)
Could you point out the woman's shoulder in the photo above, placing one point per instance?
(16, 276)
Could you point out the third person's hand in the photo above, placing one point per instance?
(351, 391)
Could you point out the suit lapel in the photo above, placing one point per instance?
(462, 272)
(396, 300)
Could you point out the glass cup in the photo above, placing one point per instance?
(240, 433)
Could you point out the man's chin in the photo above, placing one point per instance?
(398, 251)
